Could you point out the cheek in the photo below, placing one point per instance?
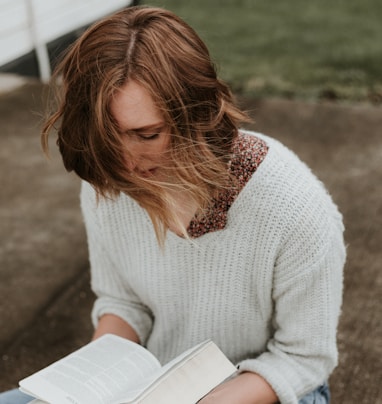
(163, 146)
(166, 144)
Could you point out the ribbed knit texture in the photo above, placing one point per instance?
(266, 289)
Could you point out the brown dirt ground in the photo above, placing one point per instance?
(44, 281)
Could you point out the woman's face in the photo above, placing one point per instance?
(144, 131)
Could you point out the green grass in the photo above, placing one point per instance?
(308, 49)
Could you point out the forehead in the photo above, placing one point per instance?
(133, 107)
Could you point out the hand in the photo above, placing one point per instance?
(246, 388)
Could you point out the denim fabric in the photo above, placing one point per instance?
(319, 396)
(14, 397)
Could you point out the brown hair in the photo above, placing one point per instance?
(162, 53)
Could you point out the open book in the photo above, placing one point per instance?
(113, 370)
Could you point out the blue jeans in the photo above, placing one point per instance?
(319, 396)
(14, 397)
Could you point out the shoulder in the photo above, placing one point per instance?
(88, 194)
(282, 172)
(106, 208)
(287, 190)
(277, 155)
(294, 209)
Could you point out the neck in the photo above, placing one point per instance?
(184, 209)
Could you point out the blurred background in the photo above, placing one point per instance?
(33, 33)
(321, 49)
(329, 49)
(308, 72)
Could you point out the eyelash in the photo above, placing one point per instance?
(149, 137)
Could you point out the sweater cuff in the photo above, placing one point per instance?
(138, 320)
(282, 388)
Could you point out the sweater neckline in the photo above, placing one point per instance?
(248, 152)
(236, 199)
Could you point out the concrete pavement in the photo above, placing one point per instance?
(44, 285)
(43, 245)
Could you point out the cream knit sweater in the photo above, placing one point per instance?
(266, 289)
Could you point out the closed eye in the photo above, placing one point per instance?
(147, 133)
(151, 136)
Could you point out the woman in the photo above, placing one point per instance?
(197, 229)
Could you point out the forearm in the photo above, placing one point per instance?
(112, 324)
(246, 388)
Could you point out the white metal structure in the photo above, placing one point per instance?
(27, 25)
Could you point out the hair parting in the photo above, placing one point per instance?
(159, 51)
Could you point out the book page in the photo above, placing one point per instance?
(185, 379)
(155, 377)
(94, 374)
(189, 379)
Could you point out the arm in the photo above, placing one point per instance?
(247, 388)
(302, 347)
(112, 324)
(117, 309)
(307, 286)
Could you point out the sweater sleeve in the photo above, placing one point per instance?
(114, 295)
(307, 295)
